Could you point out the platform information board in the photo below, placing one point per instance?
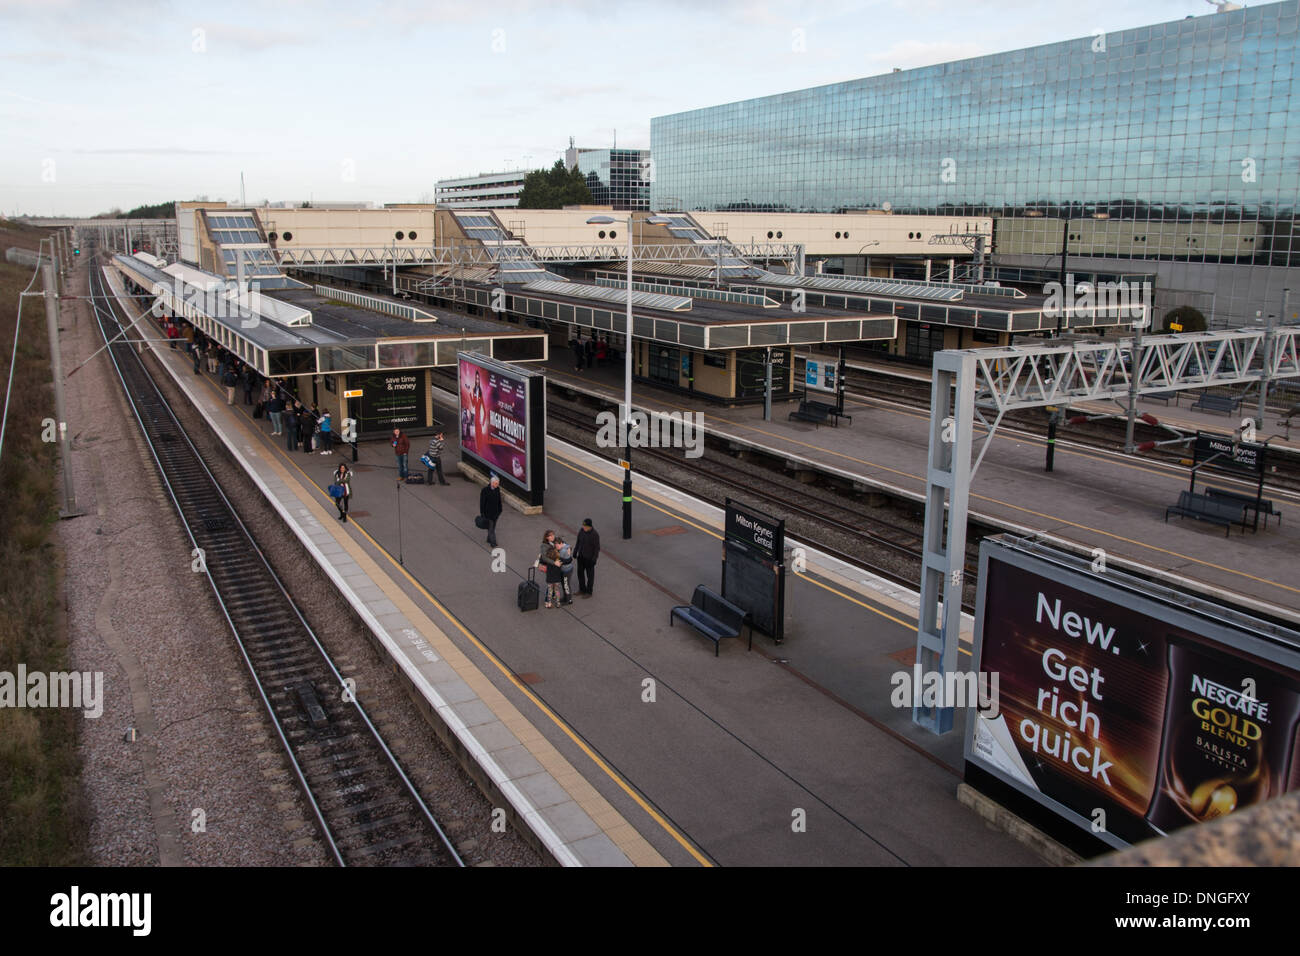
(753, 568)
(1125, 708)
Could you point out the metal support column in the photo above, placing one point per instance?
(767, 387)
(948, 475)
(69, 508)
(1135, 369)
(1268, 359)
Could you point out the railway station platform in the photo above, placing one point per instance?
(620, 738)
(1092, 499)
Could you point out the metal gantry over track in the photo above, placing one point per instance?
(972, 384)
(474, 254)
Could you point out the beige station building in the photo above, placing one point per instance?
(717, 297)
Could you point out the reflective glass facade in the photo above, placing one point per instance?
(617, 177)
(1169, 142)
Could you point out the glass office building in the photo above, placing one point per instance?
(1172, 144)
(616, 177)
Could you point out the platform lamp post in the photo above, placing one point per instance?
(627, 375)
(1065, 248)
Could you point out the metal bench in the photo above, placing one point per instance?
(1165, 397)
(1205, 508)
(830, 410)
(814, 412)
(1217, 403)
(713, 616)
(1261, 506)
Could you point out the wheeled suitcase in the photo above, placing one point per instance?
(530, 592)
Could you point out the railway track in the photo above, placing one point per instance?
(366, 808)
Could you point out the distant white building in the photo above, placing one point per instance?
(299, 204)
(484, 191)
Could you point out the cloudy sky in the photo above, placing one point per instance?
(106, 103)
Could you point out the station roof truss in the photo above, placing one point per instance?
(643, 300)
(708, 326)
(865, 286)
(490, 254)
(402, 310)
(961, 306)
(280, 338)
(695, 292)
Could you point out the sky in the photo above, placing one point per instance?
(105, 103)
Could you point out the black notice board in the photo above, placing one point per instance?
(753, 573)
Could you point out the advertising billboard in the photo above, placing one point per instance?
(502, 419)
(1125, 708)
(819, 375)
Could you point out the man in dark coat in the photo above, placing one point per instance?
(306, 428)
(586, 550)
(489, 506)
(291, 426)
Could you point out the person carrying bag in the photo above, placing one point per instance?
(341, 490)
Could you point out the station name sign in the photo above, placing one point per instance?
(751, 528)
(1213, 450)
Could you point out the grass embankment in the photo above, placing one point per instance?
(42, 820)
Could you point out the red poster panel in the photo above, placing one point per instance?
(494, 419)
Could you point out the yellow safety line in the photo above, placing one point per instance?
(524, 689)
(510, 676)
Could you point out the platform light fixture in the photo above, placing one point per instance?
(627, 355)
